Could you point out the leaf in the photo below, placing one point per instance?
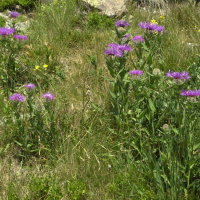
(196, 146)
(151, 105)
(19, 143)
(175, 131)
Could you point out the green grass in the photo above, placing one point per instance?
(91, 158)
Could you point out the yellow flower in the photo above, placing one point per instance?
(199, 30)
(153, 21)
(37, 67)
(195, 26)
(45, 66)
(162, 17)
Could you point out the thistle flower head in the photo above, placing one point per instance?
(136, 74)
(138, 39)
(14, 14)
(126, 36)
(121, 23)
(20, 37)
(190, 93)
(152, 26)
(30, 86)
(17, 97)
(48, 96)
(116, 49)
(178, 75)
(6, 31)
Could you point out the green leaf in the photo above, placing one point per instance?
(196, 146)
(175, 131)
(19, 143)
(151, 105)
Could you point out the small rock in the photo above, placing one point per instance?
(111, 8)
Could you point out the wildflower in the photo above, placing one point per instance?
(148, 25)
(30, 86)
(48, 96)
(17, 97)
(14, 14)
(121, 23)
(20, 37)
(136, 74)
(6, 31)
(178, 75)
(153, 21)
(37, 67)
(127, 35)
(122, 47)
(199, 30)
(117, 50)
(138, 39)
(151, 26)
(160, 29)
(113, 52)
(45, 66)
(191, 94)
(162, 17)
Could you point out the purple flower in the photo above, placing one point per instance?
(138, 38)
(117, 50)
(20, 37)
(190, 93)
(136, 72)
(30, 86)
(48, 96)
(121, 23)
(148, 25)
(6, 31)
(14, 14)
(113, 52)
(17, 97)
(126, 36)
(160, 29)
(122, 47)
(178, 75)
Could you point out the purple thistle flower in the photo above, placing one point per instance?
(30, 86)
(48, 96)
(136, 72)
(6, 31)
(122, 47)
(14, 14)
(17, 97)
(178, 75)
(190, 93)
(160, 29)
(20, 37)
(113, 52)
(126, 36)
(117, 50)
(121, 23)
(138, 39)
(148, 25)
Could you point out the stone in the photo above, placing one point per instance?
(111, 8)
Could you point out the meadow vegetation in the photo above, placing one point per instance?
(89, 112)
